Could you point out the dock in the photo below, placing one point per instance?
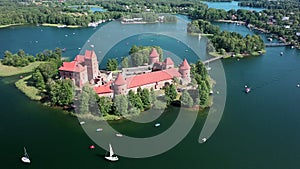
(212, 59)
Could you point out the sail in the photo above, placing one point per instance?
(111, 152)
(25, 153)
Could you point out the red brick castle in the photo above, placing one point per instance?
(84, 69)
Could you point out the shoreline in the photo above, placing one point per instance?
(231, 21)
(10, 25)
(201, 34)
(61, 25)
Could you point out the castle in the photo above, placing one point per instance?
(84, 69)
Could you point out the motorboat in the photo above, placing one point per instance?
(25, 158)
(247, 89)
(82, 123)
(111, 156)
(157, 124)
(119, 135)
(99, 129)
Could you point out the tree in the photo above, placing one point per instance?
(135, 100)
(105, 105)
(112, 64)
(170, 93)
(152, 96)
(145, 97)
(203, 93)
(159, 105)
(121, 104)
(48, 70)
(61, 92)
(186, 99)
(125, 62)
(38, 79)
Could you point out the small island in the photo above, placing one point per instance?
(227, 44)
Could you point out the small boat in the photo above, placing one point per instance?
(82, 122)
(64, 49)
(281, 53)
(157, 124)
(92, 147)
(247, 89)
(99, 129)
(111, 156)
(25, 158)
(119, 135)
(204, 139)
(211, 92)
(298, 85)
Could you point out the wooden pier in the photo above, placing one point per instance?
(212, 59)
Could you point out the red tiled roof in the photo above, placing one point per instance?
(89, 54)
(103, 89)
(72, 67)
(153, 77)
(120, 80)
(169, 61)
(68, 66)
(184, 65)
(79, 58)
(154, 53)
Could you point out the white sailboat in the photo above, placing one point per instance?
(25, 158)
(111, 156)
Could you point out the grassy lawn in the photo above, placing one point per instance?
(27, 89)
(10, 70)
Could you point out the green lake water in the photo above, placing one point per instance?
(257, 130)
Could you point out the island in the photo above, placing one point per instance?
(147, 81)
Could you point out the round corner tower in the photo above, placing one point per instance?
(153, 57)
(184, 70)
(120, 85)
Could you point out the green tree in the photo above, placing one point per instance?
(170, 93)
(48, 70)
(105, 105)
(186, 99)
(112, 64)
(121, 105)
(62, 93)
(145, 97)
(38, 79)
(125, 62)
(152, 96)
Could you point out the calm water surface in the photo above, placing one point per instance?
(230, 5)
(257, 130)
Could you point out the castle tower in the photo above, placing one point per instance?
(120, 85)
(91, 63)
(153, 57)
(184, 70)
(168, 64)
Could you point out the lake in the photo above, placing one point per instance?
(257, 130)
(230, 5)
